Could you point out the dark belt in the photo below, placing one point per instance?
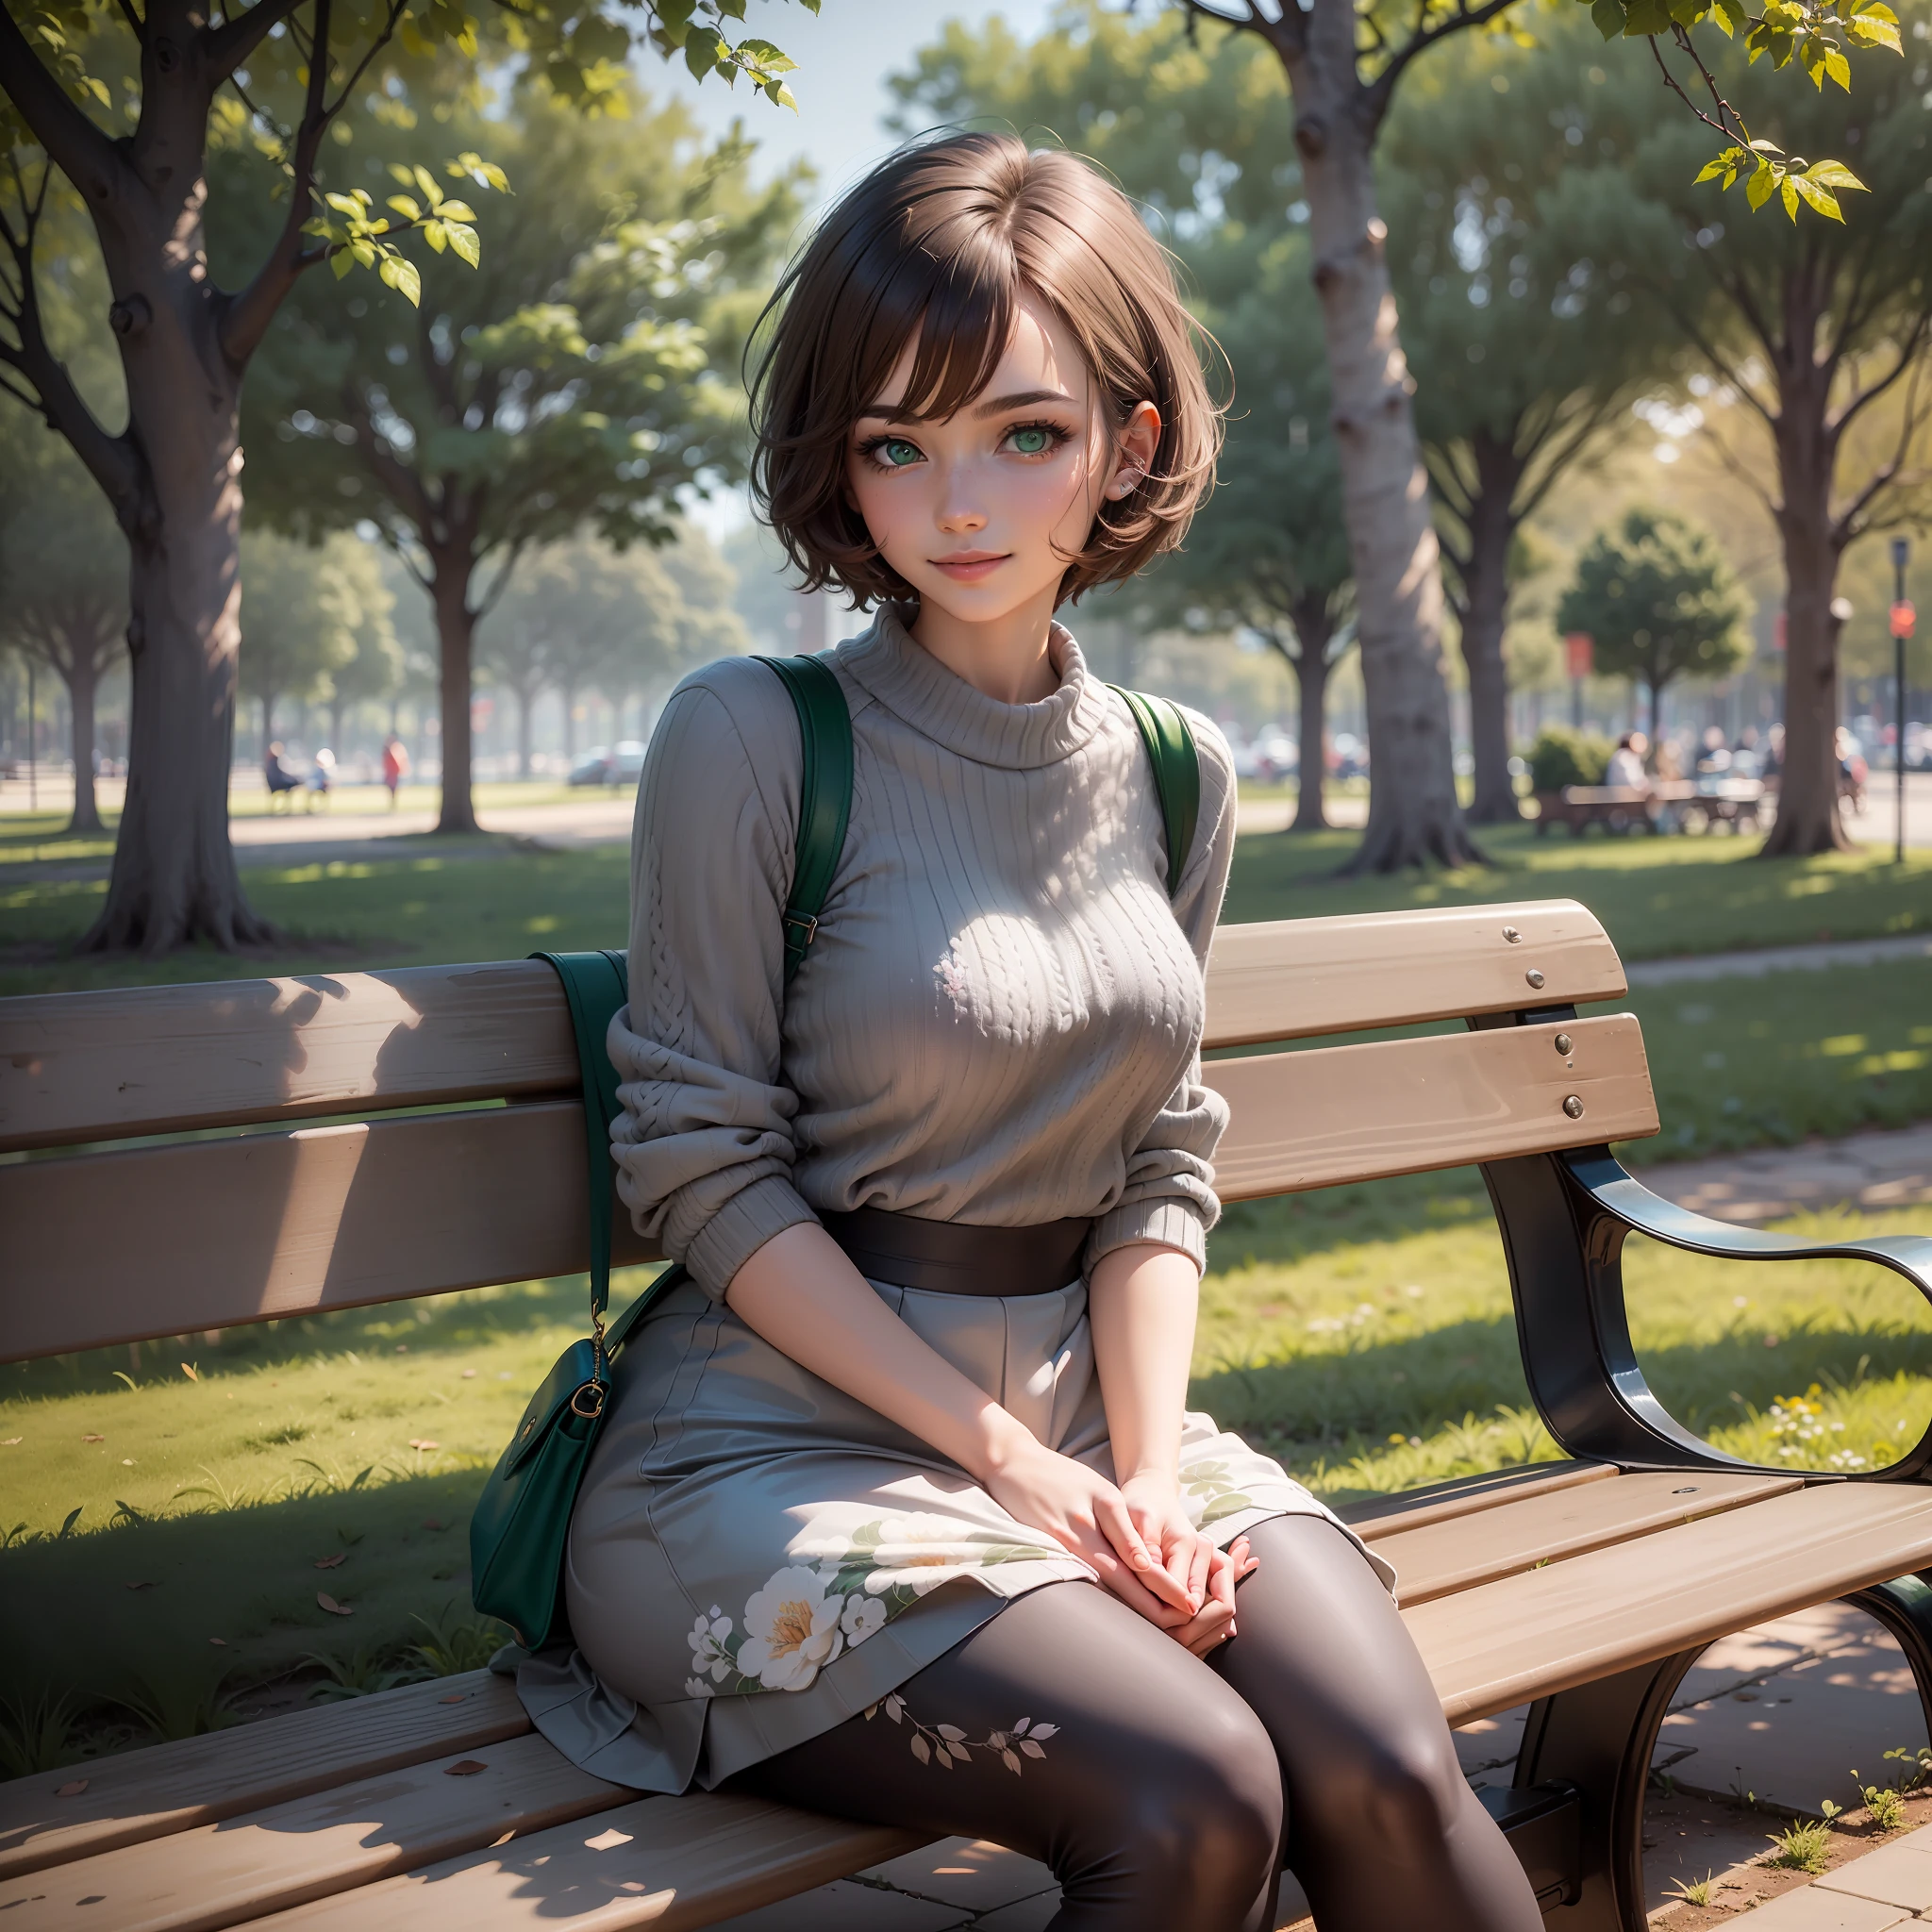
(949, 1257)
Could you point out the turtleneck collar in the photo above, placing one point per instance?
(916, 687)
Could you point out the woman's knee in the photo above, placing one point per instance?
(1400, 1792)
(1203, 1815)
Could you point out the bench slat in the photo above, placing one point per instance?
(118, 1247)
(1293, 978)
(1355, 1113)
(226, 1874)
(171, 1787)
(116, 1064)
(1441, 1559)
(1375, 1517)
(385, 1211)
(155, 1059)
(668, 1863)
(1528, 1636)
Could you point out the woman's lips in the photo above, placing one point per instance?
(969, 566)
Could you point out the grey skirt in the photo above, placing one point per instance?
(755, 1557)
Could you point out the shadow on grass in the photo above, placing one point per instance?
(435, 1325)
(177, 1611)
(1290, 1227)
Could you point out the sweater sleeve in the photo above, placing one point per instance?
(704, 1146)
(1169, 1198)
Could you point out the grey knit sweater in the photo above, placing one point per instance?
(999, 1020)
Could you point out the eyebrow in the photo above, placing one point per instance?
(996, 407)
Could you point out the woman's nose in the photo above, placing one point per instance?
(960, 513)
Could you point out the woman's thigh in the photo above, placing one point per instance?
(1068, 1729)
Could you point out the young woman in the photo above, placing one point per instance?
(898, 1513)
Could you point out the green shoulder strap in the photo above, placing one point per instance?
(1176, 764)
(594, 986)
(824, 796)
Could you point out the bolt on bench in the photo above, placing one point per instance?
(1584, 1587)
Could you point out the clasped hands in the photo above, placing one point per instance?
(1135, 1535)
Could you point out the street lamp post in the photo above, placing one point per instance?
(1902, 617)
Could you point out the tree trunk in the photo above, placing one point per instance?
(1413, 816)
(1657, 713)
(526, 703)
(569, 695)
(1807, 814)
(1315, 629)
(456, 624)
(1486, 594)
(81, 680)
(174, 880)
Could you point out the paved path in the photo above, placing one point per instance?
(1887, 1168)
(1756, 962)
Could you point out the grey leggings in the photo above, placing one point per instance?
(1165, 1792)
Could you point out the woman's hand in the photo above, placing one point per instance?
(1215, 1624)
(1208, 1576)
(1085, 1514)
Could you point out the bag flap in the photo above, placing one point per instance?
(573, 1369)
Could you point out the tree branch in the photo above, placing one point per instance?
(111, 459)
(246, 317)
(1909, 353)
(136, 25)
(1850, 523)
(227, 46)
(1384, 84)
(73, 142)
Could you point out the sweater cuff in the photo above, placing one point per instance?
(739, 1228)
(1168, 1223)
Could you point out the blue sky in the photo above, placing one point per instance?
(844, 57)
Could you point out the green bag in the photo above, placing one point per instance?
(520, 1525)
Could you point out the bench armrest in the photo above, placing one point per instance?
(1564, 1219)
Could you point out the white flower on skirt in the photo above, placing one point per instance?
(862, 1615)
(791, 1630)
(696, 1687)
(707, 1639)
(921, 1552)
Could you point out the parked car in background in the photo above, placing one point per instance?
(609, 765)
(1348, 757)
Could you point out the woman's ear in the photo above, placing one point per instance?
(1134, 450)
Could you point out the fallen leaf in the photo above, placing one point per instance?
(330, 1605)
(11, 1442)
(461, 1697)
(94, 1438)
(139, 1586)
(71, 1790)
(219, 1643)
(422, 1442)
(188, 1369)
(469, 1375)
(402, 1348)
(334, 1563)
(127, 1462)
(467, 1767)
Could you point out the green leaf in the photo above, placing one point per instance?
(1869, 31)
(776, 90)
(427, 183)
(1838, 68)
(1646, 17)
(399, 271)
(433, 234)
(463, 243)
(403, 206)
(1726, 163)
(341, 262)
(702, 51)
(762, 53)
(1732, 18)
(1788, 189)
(1833, 175)
(457, 211)
(1609, 16)
(363, 253)
(1757, 190)
(1822, 199)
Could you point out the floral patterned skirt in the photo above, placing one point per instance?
(755, 1557)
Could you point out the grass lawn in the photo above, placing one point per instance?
(170, 1542)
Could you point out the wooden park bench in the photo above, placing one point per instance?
(1668, 805)
(1583, 1589)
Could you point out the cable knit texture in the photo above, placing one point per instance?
(999, 1021)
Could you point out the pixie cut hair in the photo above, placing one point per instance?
(941, 243)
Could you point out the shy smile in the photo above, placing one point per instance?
(970, 566)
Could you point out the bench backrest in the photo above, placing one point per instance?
(448, 1149)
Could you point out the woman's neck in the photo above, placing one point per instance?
(1006, 658)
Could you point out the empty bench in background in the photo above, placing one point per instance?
(1583, 1588)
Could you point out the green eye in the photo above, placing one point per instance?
(897, 453)
(1032, 441)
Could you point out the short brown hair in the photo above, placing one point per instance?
(942, 240)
